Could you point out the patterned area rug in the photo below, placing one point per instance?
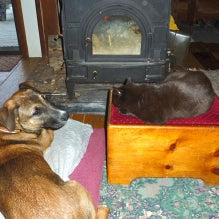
(7, 62)
(161, 198)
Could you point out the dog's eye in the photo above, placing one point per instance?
(37, 111)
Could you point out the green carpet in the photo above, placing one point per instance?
(161, 198)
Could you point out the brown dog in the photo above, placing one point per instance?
(28, 186)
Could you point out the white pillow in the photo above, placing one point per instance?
(68, 147)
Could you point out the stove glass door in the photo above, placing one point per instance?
(116, 35)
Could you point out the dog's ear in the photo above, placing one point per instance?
(28, 85)
(7, 118)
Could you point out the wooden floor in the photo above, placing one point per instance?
(26, 67)
(97, 121)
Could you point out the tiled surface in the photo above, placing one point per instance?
(8, 35)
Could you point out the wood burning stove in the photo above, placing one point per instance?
(107, 41)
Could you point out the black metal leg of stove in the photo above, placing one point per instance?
(70, 90)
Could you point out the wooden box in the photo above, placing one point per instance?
(173, 150)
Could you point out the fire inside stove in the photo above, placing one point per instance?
(116, 35)
(107, 41)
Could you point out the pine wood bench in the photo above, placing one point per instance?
(181, 148)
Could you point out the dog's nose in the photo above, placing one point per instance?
(64, 116)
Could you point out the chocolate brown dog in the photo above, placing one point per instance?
(28, 186)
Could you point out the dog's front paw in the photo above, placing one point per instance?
(102, 211)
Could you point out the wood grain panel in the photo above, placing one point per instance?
(48, 22)
(50, 16)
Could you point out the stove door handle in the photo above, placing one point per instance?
(87, 41)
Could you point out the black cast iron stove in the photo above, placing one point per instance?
(107, 41)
